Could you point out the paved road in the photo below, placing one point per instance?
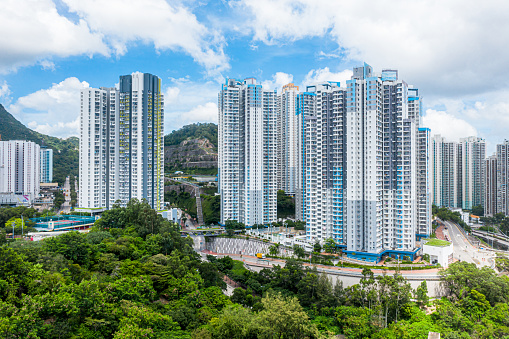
(350, 276)
(464, 250)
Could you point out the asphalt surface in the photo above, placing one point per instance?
(464, 250)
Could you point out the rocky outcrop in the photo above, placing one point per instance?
(191, 153)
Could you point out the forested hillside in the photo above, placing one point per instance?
(193, 131)
(65, 151)
(134, 276)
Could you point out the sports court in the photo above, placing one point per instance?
(61, 221)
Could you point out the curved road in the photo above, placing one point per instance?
(464, 250)
(349, 276)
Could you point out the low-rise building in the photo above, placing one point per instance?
(439, 251)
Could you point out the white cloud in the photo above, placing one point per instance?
(444, 47)
(324, 74)
(34, 30)
(168, 25)
(447, 125)
(323, 55)
(187, 102)
(46, 64)
(278, 81)
(171, 95)
(54, 111)
(4, 90)
(62, 129)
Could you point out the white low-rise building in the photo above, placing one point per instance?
(439, 251)
(174, 214)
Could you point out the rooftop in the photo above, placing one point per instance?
(437, 243)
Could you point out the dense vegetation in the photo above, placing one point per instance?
(182, 200)
(193, 131)
(478, 210)
(285, 205)
(211, 207)
(134, 276)
(210, 203)
(499, 220)
(65, 151)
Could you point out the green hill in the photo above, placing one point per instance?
(65, 151)
(193, 131)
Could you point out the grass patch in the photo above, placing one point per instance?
(437, 243)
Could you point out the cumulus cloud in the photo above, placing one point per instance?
(38, 31)
(54, 110)
(34, 30)
(187, 101)
(278, 81)
(61, 129)
(324, 74)
(447, 125)
(168, 25)
(445, 47)
(4, 90)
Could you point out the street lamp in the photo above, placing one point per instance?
(13, 224)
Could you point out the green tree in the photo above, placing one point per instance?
(298, 251)
(72, 245)
(329, 246)
(317, 247)
(421, 294)
(274, 249)
(478, 210)
(284, 318)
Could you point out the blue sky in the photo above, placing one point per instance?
(50, 49)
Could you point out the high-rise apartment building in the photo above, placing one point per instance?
(490, 184)
(444, 171)
(122, 143)
(503, 177)
(46, 165)
(288, 136)
(247, 165)
(322, 110)
(473, 154)
(423, 182)
(458, 172)
(20, 168)
(361, 153)
(306, 108)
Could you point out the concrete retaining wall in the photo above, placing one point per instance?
(242, 246)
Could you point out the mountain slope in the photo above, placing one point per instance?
(65, 151)
(194, 131)
(192, 149)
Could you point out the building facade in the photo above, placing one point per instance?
(445, 173)
(247, 161)
(122, 143)
(490, 184)
(473, 155)
(323, 159)
(20, 168)
(458, 172)
(423, 182)
(46, 165)
(503, 177)
(287, 136)
(364, 178)
(306, 107)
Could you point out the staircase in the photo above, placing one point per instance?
(199, 210)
